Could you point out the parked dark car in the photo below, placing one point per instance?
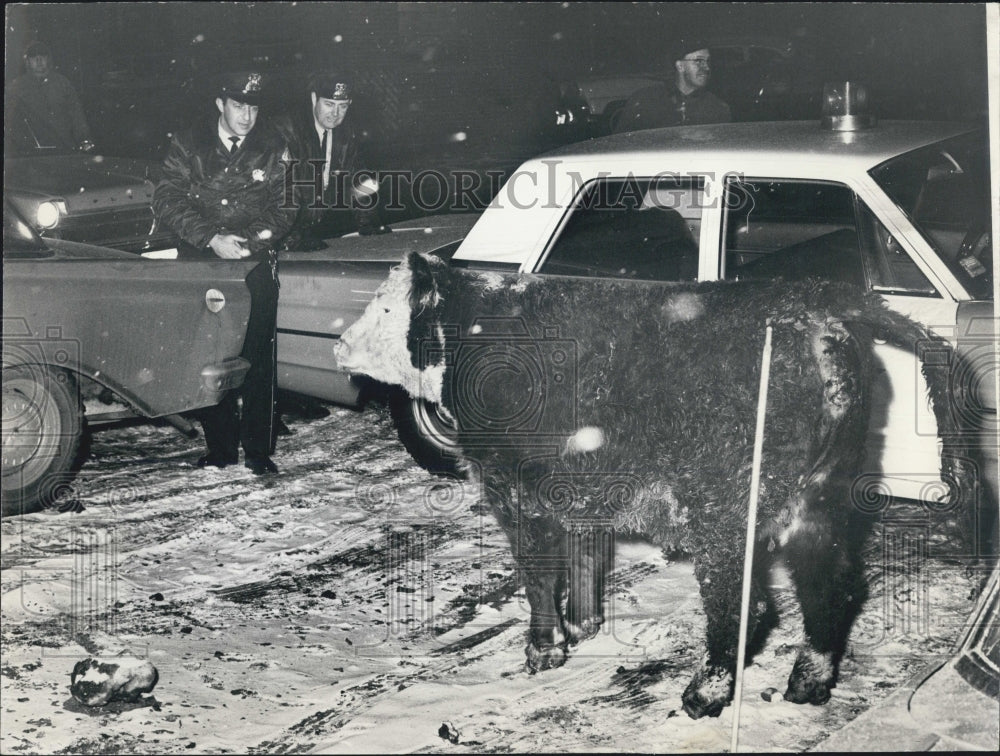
(81, 196)
(159, 337)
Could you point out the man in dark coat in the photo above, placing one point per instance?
(48, 103)
(331, 197)
(221, 192)
(680, 102)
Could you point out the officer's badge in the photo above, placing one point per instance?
(253, 84)
(258, 175)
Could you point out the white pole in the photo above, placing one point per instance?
(758, 444)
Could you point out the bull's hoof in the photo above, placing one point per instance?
(708, 693)
(811, 678)
(586, 630)
(802, 691)
(544, 657)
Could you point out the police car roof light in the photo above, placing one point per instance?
(845, 107)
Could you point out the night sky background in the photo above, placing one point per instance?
(142, 68)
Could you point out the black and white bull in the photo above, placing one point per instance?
(596, 406)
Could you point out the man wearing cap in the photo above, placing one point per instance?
(681, 102)
(46, 100)
(326, 157)
(221, 192)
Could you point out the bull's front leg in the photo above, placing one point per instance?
(544, 585)
(540, 550)
(720, 580)
(591, 555)
(538, 544)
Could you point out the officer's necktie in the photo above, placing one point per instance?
(236, 143)
(327, 151)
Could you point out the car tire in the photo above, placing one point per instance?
(42, 432)
(612, 116)
(428, 435)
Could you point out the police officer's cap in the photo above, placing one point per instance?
(242, 86)
(36, 50)
(686, 46)
(330, 86)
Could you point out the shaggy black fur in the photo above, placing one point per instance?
(668, 376)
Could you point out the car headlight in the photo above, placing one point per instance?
(47, 214)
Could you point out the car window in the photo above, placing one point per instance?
(641, 228)
(800, 229)
(944, 189)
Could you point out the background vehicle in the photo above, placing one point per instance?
(161, 337)
(82, 197)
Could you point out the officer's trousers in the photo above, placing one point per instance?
(225, 426)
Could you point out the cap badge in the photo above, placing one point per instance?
(253, 84)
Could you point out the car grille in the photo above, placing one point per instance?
(131, 229)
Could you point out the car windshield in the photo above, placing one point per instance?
(25, 137)
(944, 190)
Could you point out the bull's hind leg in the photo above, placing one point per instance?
(720, 577)
(823, 541)
(829, 581)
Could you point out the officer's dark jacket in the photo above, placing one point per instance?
(665, 105)
(206, 190)
(346, 160)
(51, 106)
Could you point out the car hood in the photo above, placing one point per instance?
(85, 182)
(419, 235)
(58, 249)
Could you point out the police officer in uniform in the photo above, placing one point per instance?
(221, 192)
(683, 101)
(326, 158)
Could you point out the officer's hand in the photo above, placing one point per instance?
(229, 246)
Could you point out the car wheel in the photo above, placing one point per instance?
(428, 434)
(612, 116)
(42, 429)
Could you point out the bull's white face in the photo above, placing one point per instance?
(376, 344)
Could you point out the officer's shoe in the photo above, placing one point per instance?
(260, 465)
(214, 459)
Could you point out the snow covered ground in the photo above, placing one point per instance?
(355, 604)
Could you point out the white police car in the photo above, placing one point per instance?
(899, 208)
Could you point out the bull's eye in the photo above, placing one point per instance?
(387, 309)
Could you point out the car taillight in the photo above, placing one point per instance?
(215, 300)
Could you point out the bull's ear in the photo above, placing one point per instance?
(424, 289)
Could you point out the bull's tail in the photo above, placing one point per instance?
(945, 373)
